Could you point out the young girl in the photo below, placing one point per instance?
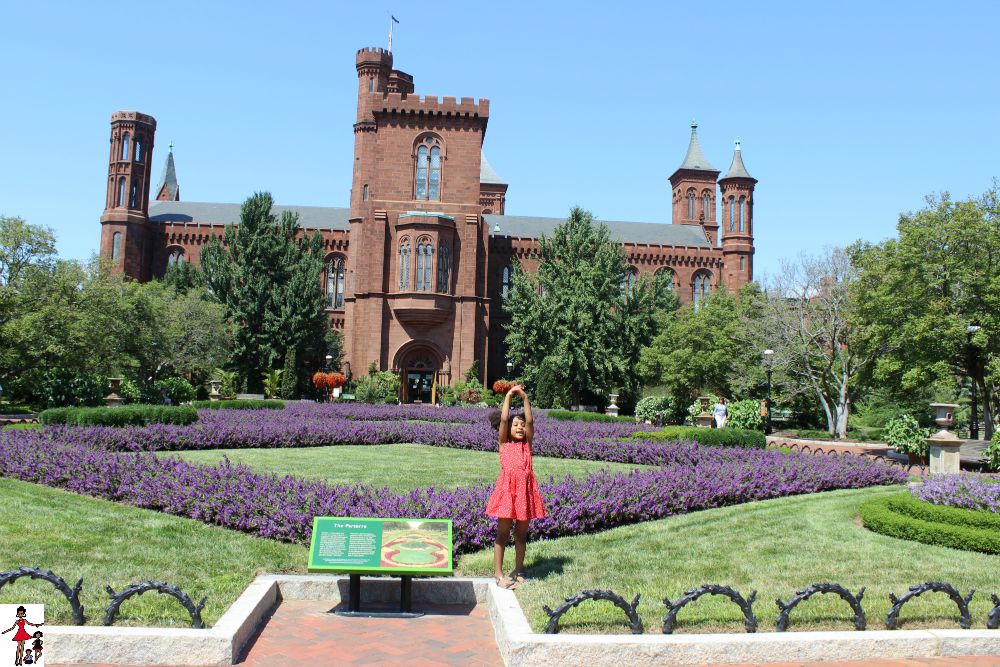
(515, 500)
(21, 635)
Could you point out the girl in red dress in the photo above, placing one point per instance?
(21, 635)
(515, 500)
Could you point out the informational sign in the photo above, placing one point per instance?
(381, 546)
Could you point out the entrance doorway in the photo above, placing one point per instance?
(418, 386)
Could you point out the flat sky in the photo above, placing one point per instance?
(849, 112)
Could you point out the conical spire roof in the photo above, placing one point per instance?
(168, 180)
(695, 159)
(487, 173)
(737, 168)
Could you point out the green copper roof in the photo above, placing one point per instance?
(695, 159)
(737, 169)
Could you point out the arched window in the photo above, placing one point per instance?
(427, 182)
(125, 153)
(732, 214)
(335, 282)
(628, 280)
(506, 278)
(364, 193)
(743, 263)
(175, 257)
(691, 199)
(742, 212)
(138, 150)
(116, 246)
(371, 84)
(424, 253)
(133, 198)
(706, 206)
(121, 192)
(701, 288)
(444, 269)
(404, 265)
(665, 278)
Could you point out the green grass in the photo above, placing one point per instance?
(775, 546)
(400, 467)
(21, 426)
(110, 544)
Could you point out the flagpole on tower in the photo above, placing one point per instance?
(392, 19)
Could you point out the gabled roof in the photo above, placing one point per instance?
(695, 159)
(310, 217)
(169, 178)
(737, 169)
(486, 173)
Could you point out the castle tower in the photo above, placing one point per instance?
(168, 190)
(737, 223)
(125, 231)
(694, 190)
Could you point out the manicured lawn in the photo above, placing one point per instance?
(400, 467)
(107, 543)
(22, 426)
(775, 546)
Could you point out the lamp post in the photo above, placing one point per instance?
(974, 423)
(329, 358)
(510, 370)
(768, 360)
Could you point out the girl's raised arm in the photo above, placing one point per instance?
(529, 424)
(505, 418)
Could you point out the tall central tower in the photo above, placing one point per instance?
(693, 187)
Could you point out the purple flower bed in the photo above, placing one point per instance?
(283, 508)
(969, 491)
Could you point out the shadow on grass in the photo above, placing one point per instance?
(543, 568)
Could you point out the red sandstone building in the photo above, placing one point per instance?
(418, 266)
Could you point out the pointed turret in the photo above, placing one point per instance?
(737, 169)
(693, 187)
(168, 190)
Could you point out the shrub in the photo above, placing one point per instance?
(126, 415)
(378, 387)
(129, 391)
(710, 437)
(695, 408)
(60, 387)
(745, 414)
(655, 409)
(238, 405)
(881, 516)
(992, 453)
(572, 415)
(290, 376)
(228, 379)
(957, 516)
(905, 436)
(176, 390)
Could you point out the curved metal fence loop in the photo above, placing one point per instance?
(72, 594)
(806, 593)
(552, 627)
(965, 621)
(159, 586)
(745, 605)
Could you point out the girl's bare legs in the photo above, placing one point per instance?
(520, 545)
(503, 534)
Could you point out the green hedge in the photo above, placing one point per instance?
(240, 404)
(572, 415)
(956, 516)
(125, 415)
(710, 437)
(883, 516)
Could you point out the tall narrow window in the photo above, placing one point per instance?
(732, 214)
(133, 198)
(424, 254)
(125, 152)
(743, 214)
(121, 192)
(706, 206)
(665, 279)
(443, 269)
(364, 194)
(138, 150)
(743, 263)
(175, 257)
(116, 246)
(371, 84)
(505, 282)
(404, 265)
(701, 288)
(691, 215)
(427, 177)
(335, 283)
(628, 281)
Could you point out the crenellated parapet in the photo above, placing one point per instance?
(430, 105)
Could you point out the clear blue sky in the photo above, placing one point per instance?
(849, 112)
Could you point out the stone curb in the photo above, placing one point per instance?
(224, 643)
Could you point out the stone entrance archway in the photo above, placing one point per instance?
(422, 368)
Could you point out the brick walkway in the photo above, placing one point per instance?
(960, 661)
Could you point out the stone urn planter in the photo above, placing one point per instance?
(704, 418)
(113, 400)
(214, 395)
(613, 408)
(944, 445)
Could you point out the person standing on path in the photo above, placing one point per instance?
(515, 500)
(721, 413)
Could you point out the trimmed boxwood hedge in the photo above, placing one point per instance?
(897, 516)
(572, 415)
(239, 404)
(710, 437)
(124, 415)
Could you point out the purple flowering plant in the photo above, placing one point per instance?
(972, 492)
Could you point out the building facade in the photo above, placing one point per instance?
(417, 268)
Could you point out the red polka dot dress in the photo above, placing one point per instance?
(516, 495)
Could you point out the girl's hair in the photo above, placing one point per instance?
(20, 609)
(495, 418)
